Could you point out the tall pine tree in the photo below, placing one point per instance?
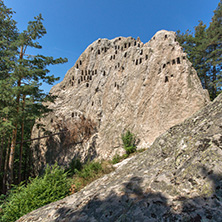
(204, 49)
(214, 51)
(21, 100)
(29, 72)
(8, 52)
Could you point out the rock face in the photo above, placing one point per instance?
(179, 178)
(118, 85)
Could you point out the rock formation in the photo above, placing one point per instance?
(179, 178)
(118, 85)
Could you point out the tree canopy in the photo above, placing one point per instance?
(204, 49)
(21, 99)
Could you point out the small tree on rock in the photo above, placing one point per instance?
(129, 141)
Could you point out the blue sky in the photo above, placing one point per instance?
(74, 24)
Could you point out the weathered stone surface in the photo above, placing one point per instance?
(120, 84)
(179, 178)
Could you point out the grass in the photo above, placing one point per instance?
(88, 173)
(83, 175)
(117, 158)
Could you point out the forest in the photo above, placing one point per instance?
(21, 99)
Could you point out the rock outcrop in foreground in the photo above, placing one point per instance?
(118, 85)
(179, 178)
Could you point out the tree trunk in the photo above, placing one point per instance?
(214, 88)
(13, 144)
(30, 168)
(12, 156)
(25, 173)
(22, 139)
(4, 188)
(1, 152)
(14, 132)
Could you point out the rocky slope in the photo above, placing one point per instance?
(114, 86)
(179, 178)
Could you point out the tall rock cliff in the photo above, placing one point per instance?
(179, 178)
(117, 85)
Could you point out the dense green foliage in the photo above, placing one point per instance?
(21, 76)
(129, 140)
(86, 173)
(204, 49)
(89, 170)
(74, 166)
(53, 186)
(8, 50)
(8, 35)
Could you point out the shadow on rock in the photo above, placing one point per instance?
(133, 204)
(207, 207)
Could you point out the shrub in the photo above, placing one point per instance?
(89, 170)
(53, 186)
(129, 140)
(116, 159)
(74, 165)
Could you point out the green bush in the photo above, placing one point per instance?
(53, 186)
(129, 140)
(75, 165)
(89, 170)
